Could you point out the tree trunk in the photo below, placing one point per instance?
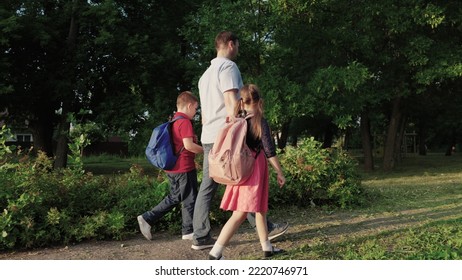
(399, 140)
(329, 133)
(450, 150)
(61, 147)
(392, 133)
(282, 139)
(366, 140)
(42, 131)
(64, 125)
(294, 140)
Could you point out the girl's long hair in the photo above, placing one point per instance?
(250, 95)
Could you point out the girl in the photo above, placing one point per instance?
(251, 195)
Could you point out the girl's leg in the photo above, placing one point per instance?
(262, 230)
(268, 249)
(227, 232)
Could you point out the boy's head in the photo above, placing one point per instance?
(187, 103)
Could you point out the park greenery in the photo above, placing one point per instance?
(42, 206)
(412, 213)
(328, 69)
(335, 74)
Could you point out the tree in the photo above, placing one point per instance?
(35, 56)
(402, 45)
(333, 63)
(420, 45)
(99, 56)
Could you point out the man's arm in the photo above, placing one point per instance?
(230, 101)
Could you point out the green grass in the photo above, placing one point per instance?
(440, 240)
(419, 182)
(414, 212)
(108, 164)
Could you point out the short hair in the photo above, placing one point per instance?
(185, 98)
(224, 37)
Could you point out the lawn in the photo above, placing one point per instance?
(414, 212)
(108, 164)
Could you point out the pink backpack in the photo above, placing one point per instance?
(230, 160)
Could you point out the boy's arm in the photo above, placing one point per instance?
(191, 146)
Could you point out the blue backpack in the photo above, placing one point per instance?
(159, 151)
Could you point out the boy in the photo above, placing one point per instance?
(183, 176)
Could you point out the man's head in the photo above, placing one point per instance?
(227, 44)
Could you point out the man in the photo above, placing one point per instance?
(219, 91)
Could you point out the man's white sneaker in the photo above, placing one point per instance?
(145, 228)
(187, 236)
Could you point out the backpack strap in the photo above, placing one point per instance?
(248, 115)
(172, 121)
(177, 118)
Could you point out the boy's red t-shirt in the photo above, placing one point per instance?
(183, 128)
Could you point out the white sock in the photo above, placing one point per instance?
(217, 250)
(266, 246)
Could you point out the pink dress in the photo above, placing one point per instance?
(252, 195)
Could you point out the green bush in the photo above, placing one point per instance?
(316, 175)
(42, 206)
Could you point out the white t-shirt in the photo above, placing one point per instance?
(222, 75)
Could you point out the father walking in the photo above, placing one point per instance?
(219, 91)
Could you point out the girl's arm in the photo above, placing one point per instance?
(275, 163)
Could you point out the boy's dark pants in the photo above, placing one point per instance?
(183, 188)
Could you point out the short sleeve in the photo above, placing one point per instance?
(230, 77)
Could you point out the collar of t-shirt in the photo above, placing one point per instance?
(178, 114)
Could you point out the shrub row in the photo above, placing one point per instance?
(42, 206)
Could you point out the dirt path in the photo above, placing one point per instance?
(307, 227)
(164, 246)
